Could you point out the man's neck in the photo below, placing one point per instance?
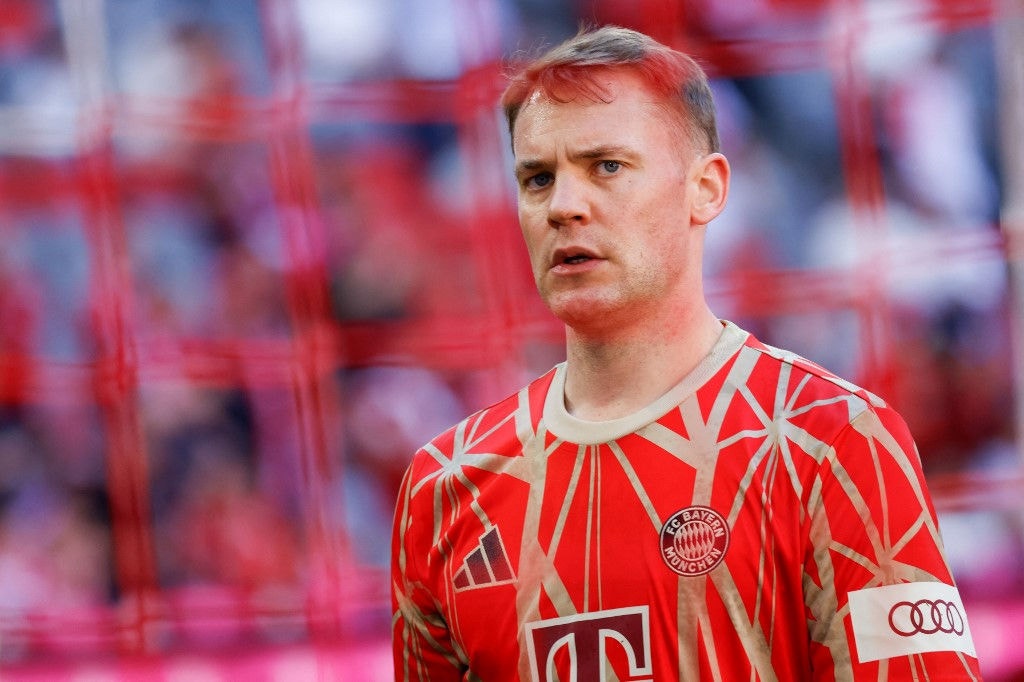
(613, 375)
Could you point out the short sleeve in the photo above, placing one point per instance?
(882, 604)
(421, 646)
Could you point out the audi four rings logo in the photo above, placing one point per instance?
(926, 617)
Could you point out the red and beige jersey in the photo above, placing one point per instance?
(763, 520)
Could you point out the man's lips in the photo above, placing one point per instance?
(572, 256)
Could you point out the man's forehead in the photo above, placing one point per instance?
(543, 112)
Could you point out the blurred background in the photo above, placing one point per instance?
(252, 254)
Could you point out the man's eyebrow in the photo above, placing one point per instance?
(528, 166)
(598, 152)
(604, 151)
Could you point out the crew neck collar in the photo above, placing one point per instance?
(570, 428)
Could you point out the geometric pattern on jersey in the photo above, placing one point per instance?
(523, 526)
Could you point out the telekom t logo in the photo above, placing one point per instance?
(586, 637)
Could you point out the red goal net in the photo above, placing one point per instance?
(254, 254)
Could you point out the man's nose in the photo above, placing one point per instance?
(569, 201)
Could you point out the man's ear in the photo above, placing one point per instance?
(711, 175)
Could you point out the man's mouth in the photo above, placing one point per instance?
(571, 257)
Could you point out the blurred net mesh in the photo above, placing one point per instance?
(255, 253)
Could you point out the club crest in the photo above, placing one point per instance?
(694, 540)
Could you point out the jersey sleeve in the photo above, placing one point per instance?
(881, 601)
(421, 644)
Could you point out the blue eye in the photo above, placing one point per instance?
(610, 167)
(539, 181)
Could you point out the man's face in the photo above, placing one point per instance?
(605, 190)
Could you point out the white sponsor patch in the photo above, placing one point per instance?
(912, 618)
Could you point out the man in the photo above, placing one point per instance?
(677, 500)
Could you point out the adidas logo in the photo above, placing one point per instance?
(486, 565)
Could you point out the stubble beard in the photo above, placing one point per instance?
(589, 308)
(610, 305)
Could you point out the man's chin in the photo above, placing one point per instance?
(580, 311)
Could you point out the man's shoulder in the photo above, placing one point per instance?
(493, 429)
(812, 377)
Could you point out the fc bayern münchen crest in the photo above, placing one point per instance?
(694, 540)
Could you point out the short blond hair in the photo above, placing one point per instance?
(569, 70)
